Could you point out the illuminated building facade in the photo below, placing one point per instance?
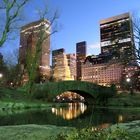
(72, 65)
(80, 56)
(116, 35)
(96, 69)
(29, 37)
(61, 70)
(117, 44)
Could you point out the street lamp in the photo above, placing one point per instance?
(1, 75)
(128, 80)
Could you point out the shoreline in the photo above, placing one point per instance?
(41, 132)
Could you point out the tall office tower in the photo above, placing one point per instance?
(80, 56)
(29, 37)
(72, 65)
(61, 70)
(116, 35)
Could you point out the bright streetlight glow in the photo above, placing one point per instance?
(128, 80)
(1, 75)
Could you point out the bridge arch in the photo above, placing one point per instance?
(89, 91)
(87, 97)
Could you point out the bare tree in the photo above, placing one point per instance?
(10, 70)
(136, 28)
(9, 10)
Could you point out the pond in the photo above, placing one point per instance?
(76, 115)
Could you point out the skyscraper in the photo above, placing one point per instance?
(80, 56)
(61, 70)
(29, 37)
(116, 35)
(72, 65)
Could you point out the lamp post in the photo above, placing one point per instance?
(128, 80)
(1, 75)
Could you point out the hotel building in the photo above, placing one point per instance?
(30, 35)
(96, 69)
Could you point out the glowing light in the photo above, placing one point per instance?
(73, 111)
(1, 75)
(120, 118)
(128, 80)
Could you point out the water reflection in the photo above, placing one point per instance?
(73, 115)
(120, 118)
(72, 111)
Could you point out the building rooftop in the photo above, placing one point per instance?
(98, 59)
(34, 23)
(58, 51)
(115, 18)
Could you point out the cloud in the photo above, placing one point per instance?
(93, 49)
(94, 45)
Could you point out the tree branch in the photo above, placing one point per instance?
(10, 5)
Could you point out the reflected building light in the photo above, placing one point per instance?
(68, 116)
(53, 110)
(61, 111)
(120, 118)
(71, 112)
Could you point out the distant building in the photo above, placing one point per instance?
(29, 37)
(56, 53)
(116, 35)
(61, 70)
(72, 65)
(80, 56)
(96, 69)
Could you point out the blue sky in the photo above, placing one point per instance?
(78, 21)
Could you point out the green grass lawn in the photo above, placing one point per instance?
(31, 132)
(127, 131)
(124, 99)
(18, 99)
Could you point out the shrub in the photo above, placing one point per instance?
(107, 134)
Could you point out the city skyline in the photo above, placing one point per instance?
(79, 24)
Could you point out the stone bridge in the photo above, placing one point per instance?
(90, 91)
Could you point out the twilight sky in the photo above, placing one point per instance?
(78, 21)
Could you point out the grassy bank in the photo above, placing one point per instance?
(127, 131)
(18, 99)
(123, 131)
(31, 132)
(125, 99)
(5, 105)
